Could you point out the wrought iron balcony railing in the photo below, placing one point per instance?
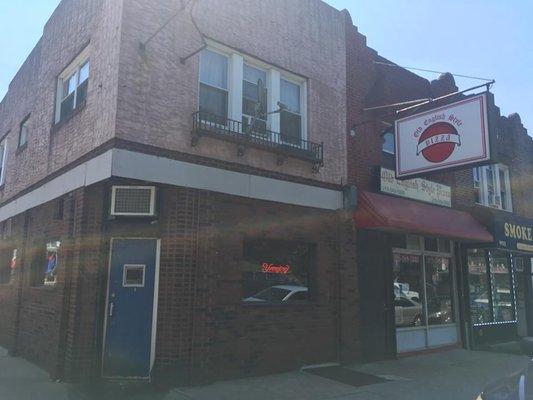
(208, 124)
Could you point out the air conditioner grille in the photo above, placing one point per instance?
(133, 201)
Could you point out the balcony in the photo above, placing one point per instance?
(284, 146)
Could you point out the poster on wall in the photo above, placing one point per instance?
(446, 137)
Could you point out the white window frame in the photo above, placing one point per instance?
(496, 201)
(4, 163)
(236, 63)
(113, 198)
(73, 68)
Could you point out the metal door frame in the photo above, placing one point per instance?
(154, 313)
(422, 253)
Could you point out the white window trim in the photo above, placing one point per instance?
(483, 183)
(152, 201)
(236, 63)
(3, 173)
(74, 67)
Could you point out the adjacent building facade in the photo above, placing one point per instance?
(445, 259)
(178, 199)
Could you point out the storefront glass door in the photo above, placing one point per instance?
(424, 295)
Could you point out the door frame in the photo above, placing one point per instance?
(154, 312)
(422, 253)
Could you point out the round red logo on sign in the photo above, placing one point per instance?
(438, 142)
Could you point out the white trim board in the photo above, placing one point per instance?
(134, 165)
(129, 164)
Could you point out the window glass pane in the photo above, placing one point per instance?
(502, 302)
(445, 246)
(291, 128)
(478, 287)
(133, 275)
(290, 96)
(439, 291)
(214, 69)
(431, 244)
(84, 72)
(213, 101)
(412, 242)
(69, 85)
(503, 188)
(254, 93)
(408, 290)
(23, 136)
(388, 143)
(275, 271)
(2, 148)
(50, 273)
(67, 106)
(477, 185)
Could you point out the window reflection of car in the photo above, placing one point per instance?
(280, 293)
(400, 290)
(408, 312)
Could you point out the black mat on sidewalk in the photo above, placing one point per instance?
(346, 376)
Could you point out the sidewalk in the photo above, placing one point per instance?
(456, 374)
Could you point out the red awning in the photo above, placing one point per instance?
(377, 211)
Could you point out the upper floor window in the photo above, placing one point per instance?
(23, 132)
(492, 186)
(258, 98)
(214, 93)
(388, 143)
(72, 87)
(3, 159)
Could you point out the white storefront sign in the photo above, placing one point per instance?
(447, 137)
(417, 189)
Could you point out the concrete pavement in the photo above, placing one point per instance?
(455, 374)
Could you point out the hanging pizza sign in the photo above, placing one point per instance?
(447, 137)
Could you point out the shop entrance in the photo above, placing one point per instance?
(424, 294)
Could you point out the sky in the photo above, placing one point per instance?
(484, 38)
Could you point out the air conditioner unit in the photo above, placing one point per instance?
(133, 201)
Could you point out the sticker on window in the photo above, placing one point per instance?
(133, 275)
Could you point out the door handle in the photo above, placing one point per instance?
(111, 307)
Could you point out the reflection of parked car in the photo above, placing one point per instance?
(279, 293)
(402, 289)
(407, 311)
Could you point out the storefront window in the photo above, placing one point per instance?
(276, 271)
(479, 286)
(502, 301)
(408, 290)
(439, 290)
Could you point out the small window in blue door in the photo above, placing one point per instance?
(133, 275)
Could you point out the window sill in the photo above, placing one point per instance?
(493, 208)
(20, 149)
(57, 125)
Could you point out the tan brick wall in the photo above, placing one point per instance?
(158, 94)
(73, 24)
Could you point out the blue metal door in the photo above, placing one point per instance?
(130, 310)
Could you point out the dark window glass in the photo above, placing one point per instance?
(67, 106)
(478, 287)
(23, 134)
(291, 128)
(276, 271)
(82, 93)
(213, 101)
(431, 244)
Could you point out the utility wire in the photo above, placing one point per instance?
(432, 71)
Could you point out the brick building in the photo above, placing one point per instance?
(172, 191)
(443, 274)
